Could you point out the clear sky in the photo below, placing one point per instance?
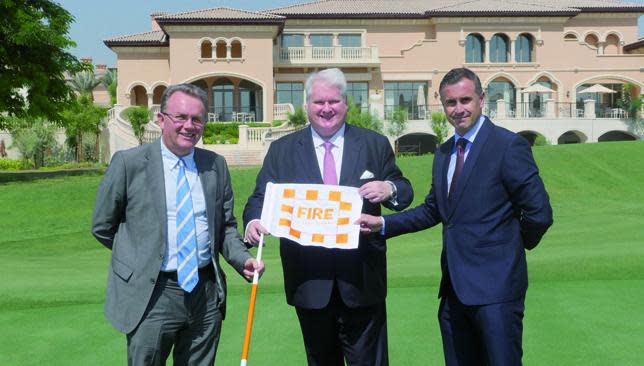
(96, 21)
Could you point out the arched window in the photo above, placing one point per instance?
(222, 51)
(612, 45)
(570, 37)
(499, 48)
(157, 93)
(524, 48)
(474, 48)
(236, 49)
(591, 40)
(501, 89)
(206, 49)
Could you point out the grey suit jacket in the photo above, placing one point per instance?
(130, 219)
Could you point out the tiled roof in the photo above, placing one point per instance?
(423, 8)
(635, 45)
(221, 15)
(154, 38)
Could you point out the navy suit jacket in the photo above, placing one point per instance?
(499, 208)
(310, 272)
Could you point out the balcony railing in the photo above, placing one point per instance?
(327, 55)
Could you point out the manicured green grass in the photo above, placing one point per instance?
(584, 305)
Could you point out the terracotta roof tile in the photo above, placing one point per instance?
(154, 38)
(219, 14)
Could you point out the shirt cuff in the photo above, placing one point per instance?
(382, 230)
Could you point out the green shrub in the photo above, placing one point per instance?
(297, 118)
(360, 118)
(541, 141)
(138, 116)
(439, 126)
(278, 122)
(11, 164)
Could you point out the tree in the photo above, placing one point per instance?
(84, 82)
(138, 118)
(631, 104)
(355, 116)
(82, 116)
(34, 41)
(33, 139)
(109, 81)
(397, 124)
(439, 126)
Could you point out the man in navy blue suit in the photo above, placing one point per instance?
(339, 295)
(487, 193)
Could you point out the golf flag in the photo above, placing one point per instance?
(313, 214)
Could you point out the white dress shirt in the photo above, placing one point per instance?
(170, 171)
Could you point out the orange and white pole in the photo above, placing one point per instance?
(251, 306)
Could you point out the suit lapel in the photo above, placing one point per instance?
(208, 177)
(156, 183)
(470, 162)
(442, 160)
(306, 154)
(353, 144)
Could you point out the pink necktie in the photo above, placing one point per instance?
(329, 175)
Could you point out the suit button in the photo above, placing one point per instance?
(152, 280)
(161, 255)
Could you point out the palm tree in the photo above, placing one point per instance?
(109, 82)
(84, 82)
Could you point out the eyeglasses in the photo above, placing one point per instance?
(182, 119)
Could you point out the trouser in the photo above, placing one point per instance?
(188, 324)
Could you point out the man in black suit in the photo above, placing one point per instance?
(339, 295)
(487, 193)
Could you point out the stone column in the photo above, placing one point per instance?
(500, 109)
(589, 108)
(243, 135)
(550, 108)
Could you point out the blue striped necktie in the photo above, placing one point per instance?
(187, 267)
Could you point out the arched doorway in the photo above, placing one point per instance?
(139, 96)
(571, 137)
(530, 136)
(500, 89)
(616, 136)
(157, 93)
(417, 143)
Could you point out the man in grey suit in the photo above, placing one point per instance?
(166, 211)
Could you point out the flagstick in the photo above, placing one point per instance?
(251, 306)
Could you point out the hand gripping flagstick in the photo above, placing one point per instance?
(251, 305)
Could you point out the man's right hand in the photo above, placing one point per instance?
(254, 230)
(369, 224)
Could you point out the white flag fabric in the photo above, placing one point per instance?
(313, 214)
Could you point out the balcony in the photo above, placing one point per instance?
(327, 56)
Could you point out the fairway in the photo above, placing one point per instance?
(584, 305)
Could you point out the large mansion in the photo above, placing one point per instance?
(535, 58)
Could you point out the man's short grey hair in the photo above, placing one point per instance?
(334, 76)
(458, 74)
(189, 89)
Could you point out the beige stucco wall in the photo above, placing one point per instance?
(409, 49)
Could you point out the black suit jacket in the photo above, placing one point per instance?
(499, 208)
(310, 272)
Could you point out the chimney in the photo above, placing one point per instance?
(101, 67)
(86, 60)
(153, 16)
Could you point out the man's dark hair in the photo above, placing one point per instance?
(189, 89)
(458, 74)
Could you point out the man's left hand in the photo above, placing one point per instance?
(250, 266)
(376, 191)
